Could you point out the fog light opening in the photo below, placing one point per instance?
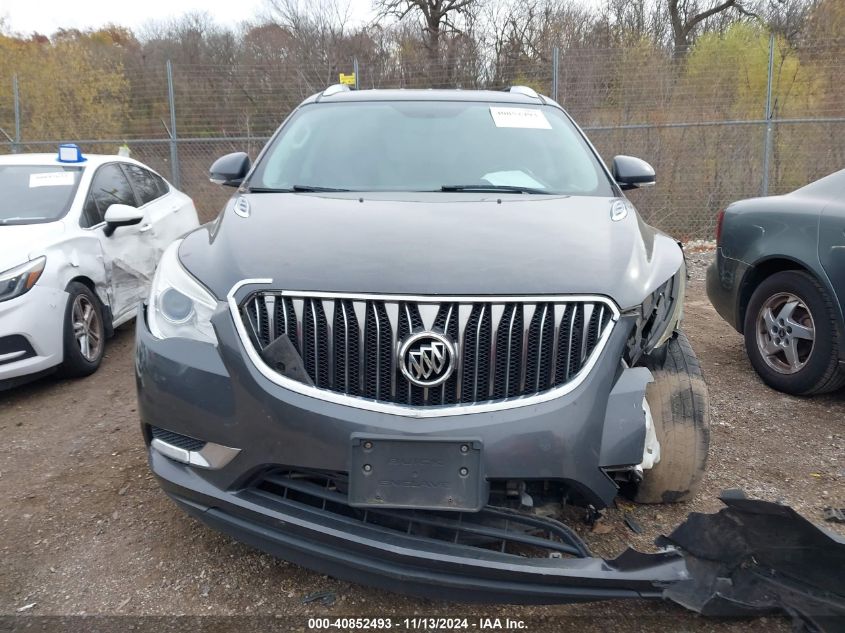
(191, 451)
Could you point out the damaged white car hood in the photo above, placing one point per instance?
(21, 242)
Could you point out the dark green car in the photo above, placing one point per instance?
(779, 279)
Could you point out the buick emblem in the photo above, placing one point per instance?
(427, 359)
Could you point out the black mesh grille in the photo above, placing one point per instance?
(286, 319)
(409, 321)
(377, 352)
(508, 352)
(315, 349)
(504, 349)
(576, 336)
(470, 354)
(593, 331)
(533, 346)
(540, 345)
(564, 345)
(446, 322)
(346, 348)
(176, 439)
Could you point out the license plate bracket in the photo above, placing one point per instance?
(426, 474)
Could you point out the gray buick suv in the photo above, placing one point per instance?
(426, 325)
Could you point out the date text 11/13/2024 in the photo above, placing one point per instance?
(417, 624)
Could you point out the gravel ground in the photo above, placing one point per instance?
(84, 528)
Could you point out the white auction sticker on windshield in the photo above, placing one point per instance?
(52, 179)
(520, 117)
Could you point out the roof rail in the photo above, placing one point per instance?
(524, 90)
(334, 89)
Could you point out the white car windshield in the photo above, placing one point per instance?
(431, 146)
(36, 193)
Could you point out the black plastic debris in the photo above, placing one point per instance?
(326, 598)
(632, 524)
(283, 357)
(835, 515)
(755, 558)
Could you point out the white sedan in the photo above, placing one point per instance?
(80, 238)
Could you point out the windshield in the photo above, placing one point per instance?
(36, 193)
(431, 146)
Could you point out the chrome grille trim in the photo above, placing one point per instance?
(466, 306)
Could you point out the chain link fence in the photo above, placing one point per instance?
(719, 123)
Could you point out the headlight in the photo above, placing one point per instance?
(659, 316)
(671, 313)
(18, 280)
(179, 306)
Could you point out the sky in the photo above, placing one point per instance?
(46, 16)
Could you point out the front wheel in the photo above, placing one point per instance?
(791, 337)
(680, 410)
(84, 335)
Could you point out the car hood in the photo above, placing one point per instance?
(433, 244)
(21, 242)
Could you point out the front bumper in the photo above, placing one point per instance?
(31, 333)
(346, 548)
(217, 395)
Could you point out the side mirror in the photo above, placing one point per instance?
(121, 215)
(230, 170)
(631, 173)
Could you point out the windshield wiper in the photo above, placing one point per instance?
(307, 188)
(295, 189)
(493, 188)
(268, 190)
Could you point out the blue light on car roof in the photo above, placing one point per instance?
(70, 153)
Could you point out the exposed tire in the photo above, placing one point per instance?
(791, 336)
(83, 320)
(680, 408)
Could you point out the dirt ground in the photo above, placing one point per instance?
(85, 530)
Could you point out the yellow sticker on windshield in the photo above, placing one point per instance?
(530, 118)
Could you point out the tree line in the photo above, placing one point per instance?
(230, 79)
(681, 83)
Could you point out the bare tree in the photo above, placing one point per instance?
(787, 18)
(439, 18)
(318, 36)
(686, 16)
(318, 27)
(629, 21)
(524, 33)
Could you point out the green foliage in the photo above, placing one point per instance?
(732, 69)
(66, 89)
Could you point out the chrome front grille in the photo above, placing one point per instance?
(506, 347)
